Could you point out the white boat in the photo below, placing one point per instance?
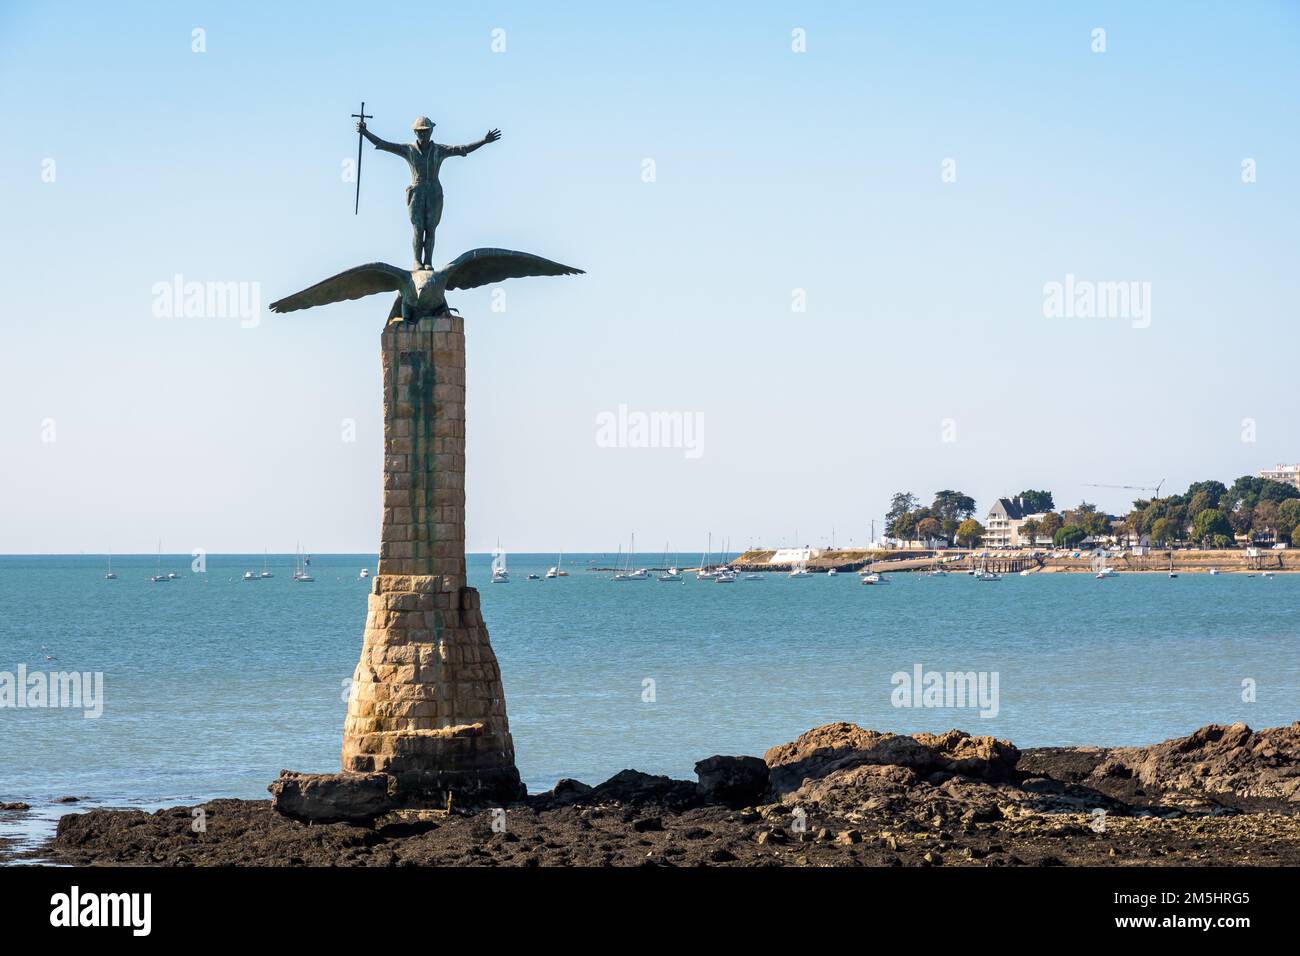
(500, 573)
(832, 572)
(109, 575)
(872, 578)
(1214, 570)
(725, 577)
(365, 573)
(988, 576)
(534, 577)
(265, 573)
(558, 570)
(250, 576)
(627, 573)
(800, 569)
(936, 573)
(706, 573)
(673, 573)
(161, 578)
(301, 562)
(1099, 565)
(1026, 572)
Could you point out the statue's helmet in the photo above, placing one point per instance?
(423, 122)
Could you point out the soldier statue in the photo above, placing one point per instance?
(424, 195)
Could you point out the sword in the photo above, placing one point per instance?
(362, 116)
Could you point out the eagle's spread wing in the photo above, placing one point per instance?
(486, 266)
(353, 284)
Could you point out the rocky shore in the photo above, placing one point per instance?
(839, 795)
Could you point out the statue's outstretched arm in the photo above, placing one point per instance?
(491, 136)
(379, 143)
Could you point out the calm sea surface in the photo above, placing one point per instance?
(212, 685)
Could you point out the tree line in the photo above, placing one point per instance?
(1208, 514)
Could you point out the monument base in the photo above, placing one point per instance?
(426, 705)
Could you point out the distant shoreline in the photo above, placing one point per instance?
(1236, 561)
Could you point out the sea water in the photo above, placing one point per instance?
(212, 684)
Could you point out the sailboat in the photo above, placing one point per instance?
(724, 570)
(558, 571)
(1100, 566)
(500, 575)
(302, 561)
(109, 575)
(629, 573)
(160, 578)
(705, 572)
(1172, 572)
(672, 574)
(265, 573)
(871, 576)
(800, 569)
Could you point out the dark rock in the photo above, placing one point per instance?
(734, 781)
(565, 793)
(332, 797)
(67, 799)
(635, 787)
(14, 806)
(647, 824)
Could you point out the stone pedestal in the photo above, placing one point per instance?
(426, 705)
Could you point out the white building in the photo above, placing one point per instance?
(1287, 474)
(1002, 526)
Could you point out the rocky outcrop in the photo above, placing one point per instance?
(1215, 762)
(332, 797)
(839, 795)
(734, 781)
(838, 748)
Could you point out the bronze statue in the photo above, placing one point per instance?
(422, 292)
(424, 195)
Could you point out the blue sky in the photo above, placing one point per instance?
(775, 171)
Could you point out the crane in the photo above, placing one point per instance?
(1154, 490)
